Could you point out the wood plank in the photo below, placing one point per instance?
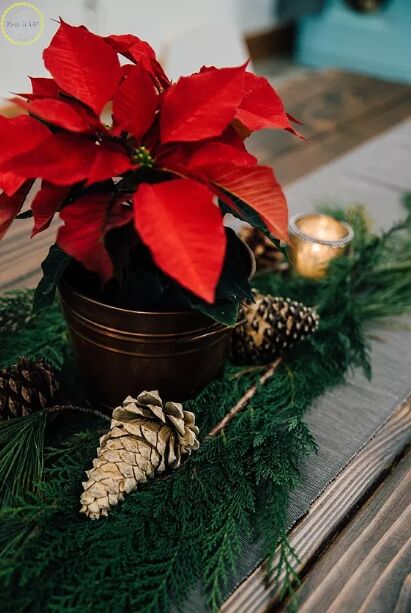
(295, 163)
(368, 565)
(333, 507)
(366, 175)
(327, 103)
(20, 259)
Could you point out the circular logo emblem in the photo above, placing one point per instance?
(22, 23)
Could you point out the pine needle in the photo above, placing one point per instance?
(21, 456)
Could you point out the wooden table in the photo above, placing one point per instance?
(353, 542)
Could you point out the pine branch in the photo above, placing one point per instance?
(229, 524)
(21, 456)
(244, 400)
(43, 335)
(22, 451)
(61, 408)
(15, 310)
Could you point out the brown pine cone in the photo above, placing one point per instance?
(267, 255)
(26, 387)
(272, 325)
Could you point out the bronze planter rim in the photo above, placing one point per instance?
(211, 329)
(155, 313)
(122, 309)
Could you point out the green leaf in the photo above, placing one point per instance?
(25, 215)
(53, 268)
(233, 286)
(248, 215)
(222, 311)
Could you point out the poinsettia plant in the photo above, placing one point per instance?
(141, 171)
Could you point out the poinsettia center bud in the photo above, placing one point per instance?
(142, 156)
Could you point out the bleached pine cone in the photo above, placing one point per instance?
(146, 437)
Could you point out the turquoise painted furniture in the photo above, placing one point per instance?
(378, 43)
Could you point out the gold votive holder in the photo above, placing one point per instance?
(315, 240)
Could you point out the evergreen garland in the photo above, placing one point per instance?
(15, 310)
(189, 528)
(31, 335)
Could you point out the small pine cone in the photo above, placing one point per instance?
(267, 255)
(27, 387)
(146, 437)
(272, 326)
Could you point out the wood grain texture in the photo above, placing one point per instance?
(368, 566)
(330, 103)
(339, 111)
(292, 164)
(329, 512)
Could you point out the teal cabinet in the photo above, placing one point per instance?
(377, 43)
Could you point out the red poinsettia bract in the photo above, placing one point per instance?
(171, 147)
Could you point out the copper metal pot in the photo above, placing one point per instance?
(121, 352)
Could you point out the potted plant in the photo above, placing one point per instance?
(141, 171)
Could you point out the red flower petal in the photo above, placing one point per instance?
(220, 153)
(231, 137)
(135, 103)
(64, 159)
(137, 50)
(20, 134)
(109, 160)
(10, 182)
(194, 160)
(60, 113)
(83, 65)
(261, 106)
(10, 207)
(45, 204)
(183, 229)
(17, 135)
(44, 87)
(86, 223)
(201, 106)
(154, 68)
(124, 43)
(259, 189)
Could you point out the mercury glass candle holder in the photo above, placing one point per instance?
(315, 240)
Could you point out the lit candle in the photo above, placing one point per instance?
(315, 239)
